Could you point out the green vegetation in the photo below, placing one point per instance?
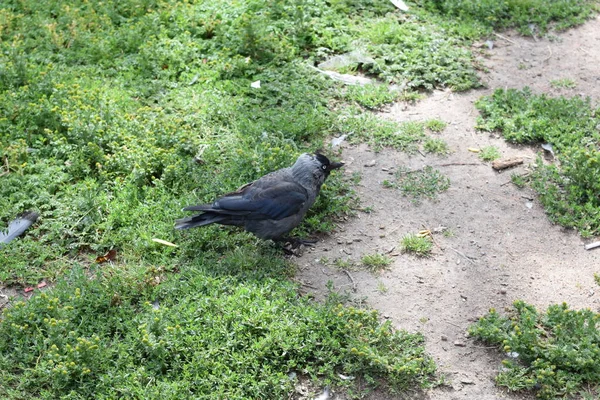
(375, 262)
(568, 189)
(489, 153)
(518, 180)
(418, 245)
(564, 83)
(436, 146)
(379, 133)
(529, 17)
(435, 125)
(371, 96)
(116, 114)
(426, 182)
(554, 353)
(208, 337)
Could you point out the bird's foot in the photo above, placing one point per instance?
(294, 245)
(297, 242)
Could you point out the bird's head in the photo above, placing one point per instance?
(313, 169)
(325, 165)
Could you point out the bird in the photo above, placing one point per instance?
(18, 226)
(271, 206)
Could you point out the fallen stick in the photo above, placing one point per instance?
(456, 163)
(506, 163)
(550, 56)
(507, 39)
(351, 279)
(592, 245)
(462, 254)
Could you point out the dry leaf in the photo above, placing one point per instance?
(110, 256)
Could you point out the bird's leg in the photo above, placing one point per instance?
(297, 242)
(294, 244)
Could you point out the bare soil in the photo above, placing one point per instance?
(503, 246)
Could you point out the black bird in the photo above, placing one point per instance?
(269, 207)
(18, 226)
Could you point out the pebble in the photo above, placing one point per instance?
(458, 343)
(371, 163)
(444, 338)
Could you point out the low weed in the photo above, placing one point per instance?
(554, 353)
(418, 245)
(436, 146)
(519, 180)
(533, 17)
(92, 337)
(564, 83)
(419, 184)
(372, 97)
(375, 262)
(435, 125)
(489, 153)
(379, 134)
(568, 189)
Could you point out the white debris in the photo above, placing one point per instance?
(400, 4)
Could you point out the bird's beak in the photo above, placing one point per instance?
(335, 165)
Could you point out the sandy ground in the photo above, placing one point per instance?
(503, 248)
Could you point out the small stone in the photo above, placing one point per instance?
(502, 291)
(458, 343)
(444, 338)
(466, 381)
(371, 163)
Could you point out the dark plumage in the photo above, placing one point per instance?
(18, 226)
(271, 206)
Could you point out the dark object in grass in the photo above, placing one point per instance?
(271, 206)
(17, 226)
(111, 255)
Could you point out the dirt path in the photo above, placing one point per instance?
(503, 248)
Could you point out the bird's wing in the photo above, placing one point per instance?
(276, 201)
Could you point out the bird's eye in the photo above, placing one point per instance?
(324, 167)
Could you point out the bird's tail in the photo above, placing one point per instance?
(199, 220)
(18, 226)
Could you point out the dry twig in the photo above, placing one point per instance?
(354, 287)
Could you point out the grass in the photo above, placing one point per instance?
(419, 184)
(553, 353)
(531, 17)
(435, 125)
(375, 262)
(420, 246)
(115, 115)
(192, 336)
(518, 180)
(436, 146)
(489, 153)
(564, 83)
(380, 134)
(372, 97)
(568, 189)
